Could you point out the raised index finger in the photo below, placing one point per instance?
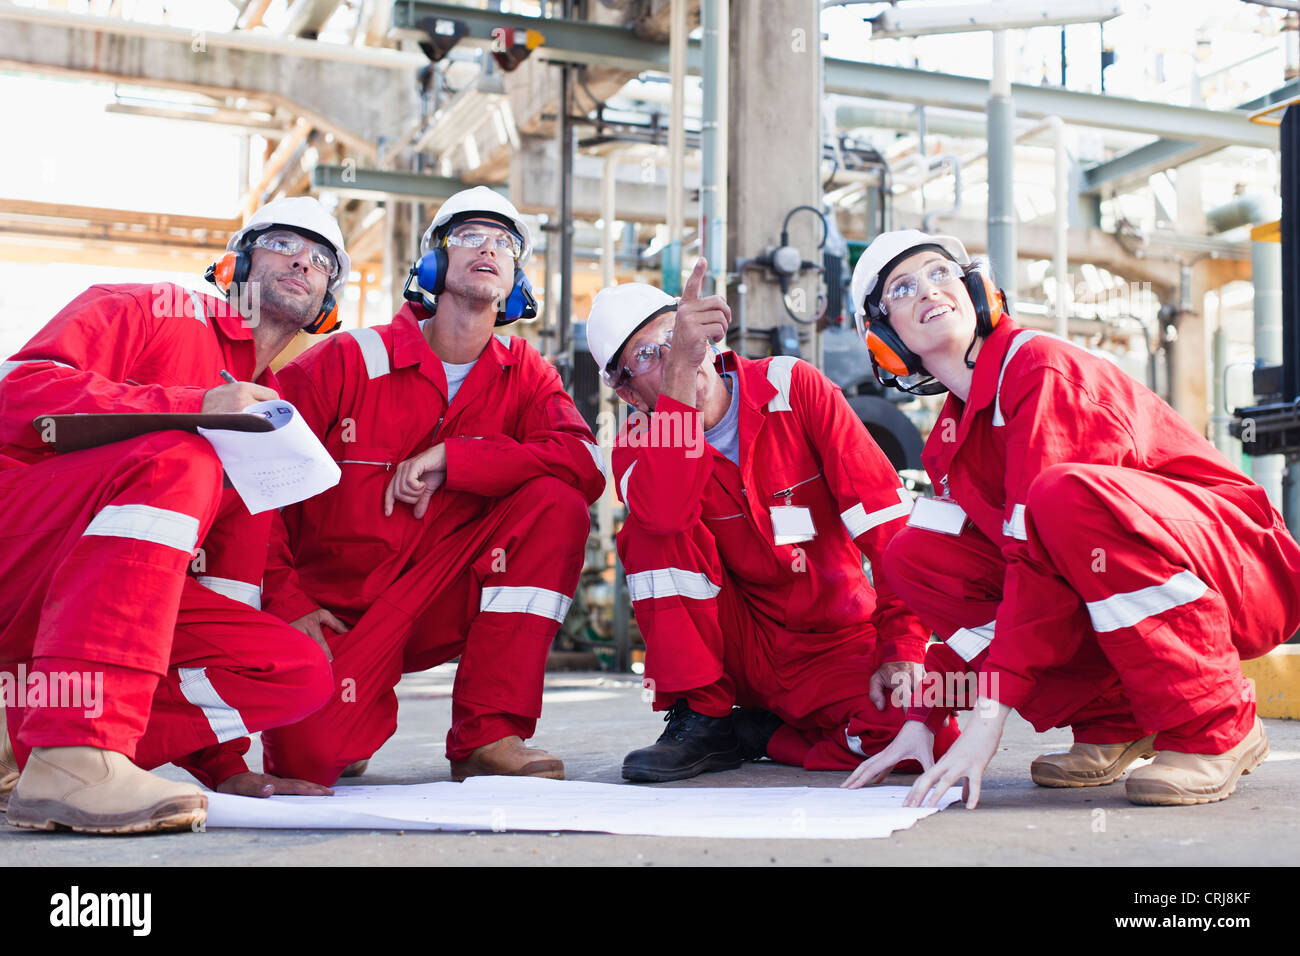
(691, 292)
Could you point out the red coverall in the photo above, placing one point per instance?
(99, 566)
(1127, 566)
(489, 572)
(729, 616)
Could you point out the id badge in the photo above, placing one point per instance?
(937, 514)
(792, 524)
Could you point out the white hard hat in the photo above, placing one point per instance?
(879, 257)
(484, 200)
(301, 214)
(618, 313)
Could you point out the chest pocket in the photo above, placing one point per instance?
(366, 456)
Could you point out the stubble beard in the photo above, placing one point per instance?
(480, 292)
(283, 311)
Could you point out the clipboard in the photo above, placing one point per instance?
(69, 433)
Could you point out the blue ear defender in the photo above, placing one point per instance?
(520, 303)
(429, 275)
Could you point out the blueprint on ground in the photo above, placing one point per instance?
(520, 803)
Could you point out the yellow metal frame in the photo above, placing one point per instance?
(1262, 116)
(1276, 677)
(1267, 231)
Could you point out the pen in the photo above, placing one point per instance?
(230, 379)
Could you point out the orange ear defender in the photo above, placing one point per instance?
(327, 320)
(222, 272)
(990, 302)
(889, 351)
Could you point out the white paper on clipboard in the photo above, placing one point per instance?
(276, 468)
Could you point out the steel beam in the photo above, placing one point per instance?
(567, 41)
(1138, 164)
(337, 88)
(1036, 102)
(365, 183)
(580, 42)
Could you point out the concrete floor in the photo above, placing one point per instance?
(591, 720)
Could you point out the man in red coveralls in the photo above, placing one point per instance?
(752, 492)
(1104, 568)
(459, 526)
(158, 653)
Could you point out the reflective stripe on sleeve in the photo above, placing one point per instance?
(853, 743)
(224, 720)
(1125, 610)
(525, 600)
(858, 520)
(240, 591)
(1014, 527)
(1018, 341)
(778, 373)
(671, 582)
(373, 351)
(199, 312)
(597, 456)
(969, 643)
(7, 367)
(622, 485)
(147, 523)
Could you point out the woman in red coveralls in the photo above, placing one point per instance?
(1091, 561)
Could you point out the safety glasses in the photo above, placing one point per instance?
(472, 236)
(642, 359)
(322, 259)
(904, 288)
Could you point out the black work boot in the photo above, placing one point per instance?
(754, 729)
(691, 744)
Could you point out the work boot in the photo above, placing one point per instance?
(355, 769)
(8, 763)
(1179, 779)
(691, 744)
(1089, 765)
(508, 757)
(90, 790)
(754, 729)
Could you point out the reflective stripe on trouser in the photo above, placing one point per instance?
(1108, 590)
(94, 554)
(491, 592)
(1160, 565)
(704, 643)
(957, 595)
(234, 671)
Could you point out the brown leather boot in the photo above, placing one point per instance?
(508, 757)
(1089, 765)
(1178, 779)
(8, 763)
(90, 790)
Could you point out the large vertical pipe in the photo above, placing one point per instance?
(608, 190)
(1266, 276)
(672, 252)
(608, 401)
(1227, 445)
(1001, 138)
(1289, 136)
(715, 17)
(564, 211)
(1061, 229)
